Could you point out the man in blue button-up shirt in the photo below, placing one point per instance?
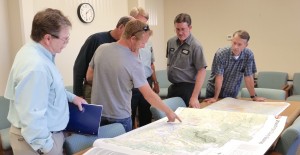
(38, 100)
(230, 66)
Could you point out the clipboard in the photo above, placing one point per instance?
(86, 121)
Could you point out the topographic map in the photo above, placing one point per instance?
(266, 108)
(202, 131)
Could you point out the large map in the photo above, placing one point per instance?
(266, 108)
(202, 131)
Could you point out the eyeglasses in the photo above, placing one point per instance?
(65, 40)
(145, 28)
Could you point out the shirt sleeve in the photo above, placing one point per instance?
(31, 102)
(217, 65)
(70, 96)
(251, 66)
(198, 58)
(138, 76)
(82, 62)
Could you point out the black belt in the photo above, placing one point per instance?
(55, 132)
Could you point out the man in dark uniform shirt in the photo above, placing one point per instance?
(80, 86)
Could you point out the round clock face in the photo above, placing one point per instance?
(85, 12)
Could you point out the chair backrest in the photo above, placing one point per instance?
(4, 107)
(173, 103)
(111, 130)
(208, 72)
(69, 88)
(203, 89)
(274, 94)
(289, 141)
(78, 142)
(273, 80)
(296, 84)
(162, 78)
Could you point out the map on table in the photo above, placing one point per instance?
(202, 131)
(266, 108)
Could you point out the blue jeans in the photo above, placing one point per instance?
(126, 122)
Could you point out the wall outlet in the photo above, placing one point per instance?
(229, 37)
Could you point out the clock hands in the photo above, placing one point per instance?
(85, 12)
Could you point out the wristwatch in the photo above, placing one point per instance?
(253, 96)
(39, 151)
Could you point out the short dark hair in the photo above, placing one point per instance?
(183, 18)
(123, 20)
(242, 34)
(48, 21)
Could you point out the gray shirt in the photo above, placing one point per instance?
(116, 71)
(147, 58)
(184, 60)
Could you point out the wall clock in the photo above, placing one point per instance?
(85, 12)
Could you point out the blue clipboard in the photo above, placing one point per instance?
(86, 121)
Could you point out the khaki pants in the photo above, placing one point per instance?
(87, 90)
(21, 147)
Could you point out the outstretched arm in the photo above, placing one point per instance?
(218, 86)
(249, 81)
(155, 101)
(194, 101)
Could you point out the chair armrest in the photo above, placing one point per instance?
(287, 88)
(1, 148)
(255, 84)
(289, 135)
(292, 90)
(293, 131)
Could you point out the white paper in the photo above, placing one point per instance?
(266, 108)
(202, 131)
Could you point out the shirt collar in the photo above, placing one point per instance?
(188, 40)
(45, 52)
(241, 56)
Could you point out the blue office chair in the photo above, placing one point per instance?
(164, 83)
(273, 80)
(289, 141)
(69, 88)
(296, 88)
(274, 94)
(203, 89)
(77, 142)
(5, 147)
(173, 103)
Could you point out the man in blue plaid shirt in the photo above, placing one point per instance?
(229, 66)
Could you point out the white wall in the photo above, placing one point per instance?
(156, 10)
(107, 15)
(4, 45)
(15, 31)
(272, 24)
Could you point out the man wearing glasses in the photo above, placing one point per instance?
(115, 68)
(39, 109)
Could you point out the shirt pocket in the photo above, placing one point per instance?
(182, 61)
